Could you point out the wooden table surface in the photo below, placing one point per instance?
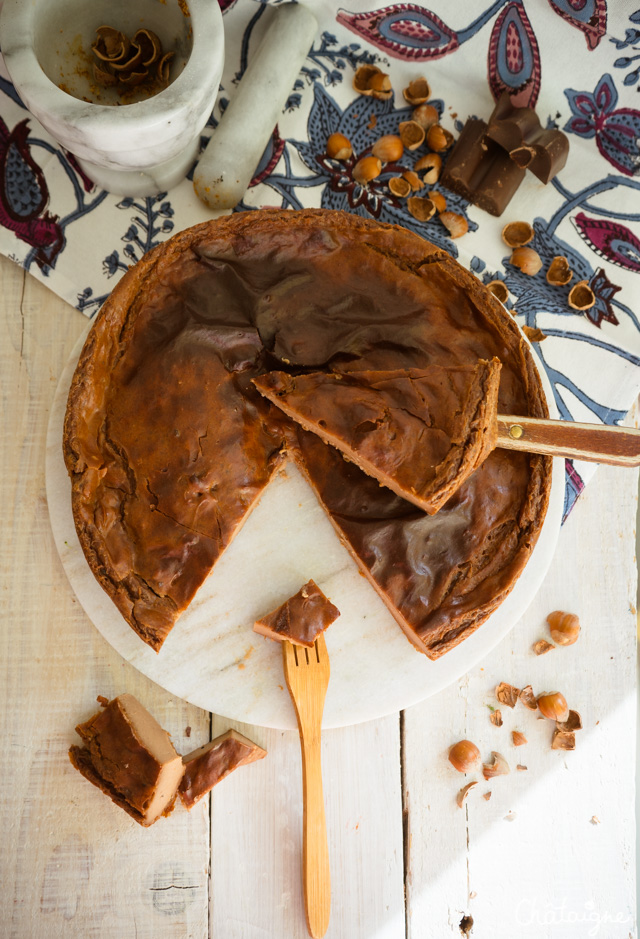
(551, 854)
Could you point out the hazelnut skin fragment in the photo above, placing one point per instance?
(518, 738)
(497, 767)
(462, 795)
(559, 273)
(496, 717)
(411, 134)
(414, 180)
(534, 334)
(417, 91)
(499, 289)
(563, 740)
(507, 694)
(581, 296)
(528, 260)
(421, 209)
(573, 722)
(371, 81)
(457, 225)
(542, 646)
(400, 186)
(517, 234)
(528, 698)
(438, 200)
(431, 163)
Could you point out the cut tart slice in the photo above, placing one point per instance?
(301, 618)
(205, 767)
(129, 756)
(419, 432)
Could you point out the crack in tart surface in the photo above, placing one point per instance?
(169, 445)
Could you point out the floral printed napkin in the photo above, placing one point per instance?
(578, 63)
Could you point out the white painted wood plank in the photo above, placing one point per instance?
(72, 864)
(256, 837)
(549, 871)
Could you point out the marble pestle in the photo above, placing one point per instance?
(227, 165)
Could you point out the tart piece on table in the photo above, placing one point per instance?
(205, 767)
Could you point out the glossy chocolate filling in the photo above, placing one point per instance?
(169, 445)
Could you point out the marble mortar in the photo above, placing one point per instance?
(130, 149)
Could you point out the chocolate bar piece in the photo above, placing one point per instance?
(209, 764)
(130, 757)
(489, 160)
(481, 171)
(530, 146)
(301, 618)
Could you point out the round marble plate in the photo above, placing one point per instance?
(213, 659)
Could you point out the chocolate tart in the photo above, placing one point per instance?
(169, 445)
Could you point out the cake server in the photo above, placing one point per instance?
(596, 443)
(307, 675)
(229, 161)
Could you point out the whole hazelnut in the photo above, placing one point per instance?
(564, 627)
(339, 147)
(366, 169)
(464, 755)
(553, 705)
(388, 148)
(425, 115)
(528, 260)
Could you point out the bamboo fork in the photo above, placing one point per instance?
(307, 675)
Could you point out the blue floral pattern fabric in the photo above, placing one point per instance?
(578, 64)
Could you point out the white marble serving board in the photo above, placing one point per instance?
(213, 659)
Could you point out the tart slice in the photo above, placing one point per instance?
(301, 618)
(419, 432)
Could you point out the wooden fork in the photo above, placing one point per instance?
(307, 675)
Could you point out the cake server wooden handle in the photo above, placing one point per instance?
(597, 443)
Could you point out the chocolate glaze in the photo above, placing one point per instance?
(168, 444)
(420, 432)
(301, 618)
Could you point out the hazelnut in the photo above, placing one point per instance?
(414, 180)
(564, 627)
(518, 738)
(418, 91)
(366, 169)
(517, 234)
(421, 209)
(497, 767)
(339, 147)
(559, 272)
(399, 186)
(507, 694)
(534, 334)
(431, 163)
(496, 717)
(462, 795)
(438, 200)
(528, 260)
(438, 138)
(456, 224)
(425, 115)
(464, 755)
(499, 289)
(581, 296)
(388, 148)
(411, 134)
(380, 85)
(553, 705)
